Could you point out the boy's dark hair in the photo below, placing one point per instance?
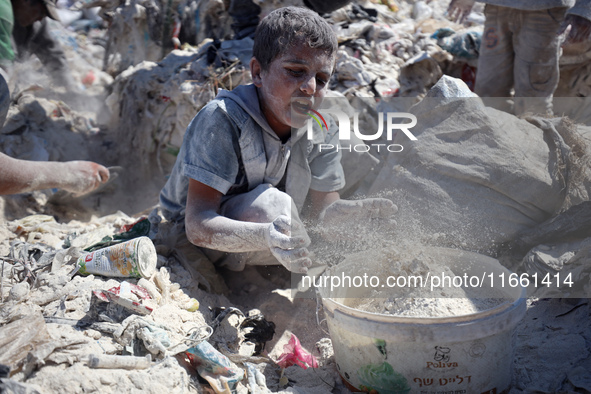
(285, 27)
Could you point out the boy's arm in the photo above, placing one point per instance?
(207, 228)
(20, 176)
(344, 218)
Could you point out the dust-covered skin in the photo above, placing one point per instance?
(346, 220)
(301, 74)
(288, 242)
(270, 228)
(78, 177)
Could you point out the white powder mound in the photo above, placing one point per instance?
(427, 307)
(418, 299)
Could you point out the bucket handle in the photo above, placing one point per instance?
(319, 311)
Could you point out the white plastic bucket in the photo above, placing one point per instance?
(387, 354)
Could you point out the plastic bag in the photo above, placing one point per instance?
(217, 369)
(20, 337)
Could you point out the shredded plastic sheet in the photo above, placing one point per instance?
(294, 354)
(217, 369)
(20, 337)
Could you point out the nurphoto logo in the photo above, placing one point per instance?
(395, 121)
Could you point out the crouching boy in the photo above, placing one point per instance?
(246, 170)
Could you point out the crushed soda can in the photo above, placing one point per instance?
(135, 258)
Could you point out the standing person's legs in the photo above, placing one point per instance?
(494, 76)
(537, 49)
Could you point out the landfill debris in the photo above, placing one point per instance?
(122, 296)
(214, 367)
(140, 82)
(507, 208)
(294, 354)
(124, 362)
(566, 260)
(133, 258)
(20, 337)
(257, 382)
(461, 45)
(262, 330)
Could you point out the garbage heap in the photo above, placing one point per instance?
(381, 54)
(152, 333)
(61, 331)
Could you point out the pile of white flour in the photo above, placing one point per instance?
(419, 298)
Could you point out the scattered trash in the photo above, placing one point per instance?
(20, 337)
(261, 331)
(121, 297)
(217, 369)
(134, 258)
(294, 354)
(463, 45)
(124, 362)
(256, 380)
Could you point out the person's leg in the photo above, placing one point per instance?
(537, 50)
(261, 205)
(494, 76)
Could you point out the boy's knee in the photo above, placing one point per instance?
(268, 205)
(261, 205)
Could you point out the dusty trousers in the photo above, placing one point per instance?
(520, 50)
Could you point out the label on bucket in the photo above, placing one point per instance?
(368, 364)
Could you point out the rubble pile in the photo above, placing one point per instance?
(381, 57)
(59, 333)
(156, 102)
(146, 30)
(36, 129)
(84, 52)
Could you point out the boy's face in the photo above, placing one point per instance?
(301, 73)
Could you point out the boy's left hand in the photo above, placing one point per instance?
(345, 219)
(288, 241)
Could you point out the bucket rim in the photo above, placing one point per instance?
(511, 303)
(426, 320)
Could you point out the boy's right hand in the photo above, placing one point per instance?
(288, 242)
